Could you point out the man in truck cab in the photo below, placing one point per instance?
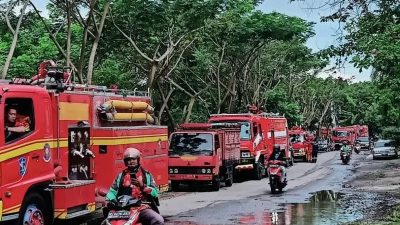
(136, 181)
(279, 154)
(15, 124)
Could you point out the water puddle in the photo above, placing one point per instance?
(323, 208)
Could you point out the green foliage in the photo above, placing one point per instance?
(258, 57)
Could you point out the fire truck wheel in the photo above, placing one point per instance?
(216, 183)
(174, 185)
(34, 211)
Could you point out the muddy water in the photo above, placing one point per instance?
(322, 208)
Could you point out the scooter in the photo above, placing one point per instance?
(345, 157)
(357, 148)
(275, 175)
(125, 211)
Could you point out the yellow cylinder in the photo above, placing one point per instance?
(120, 104)
(130, 117)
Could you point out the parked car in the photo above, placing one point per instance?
(323, 145)
(364, 143)
(385, 149)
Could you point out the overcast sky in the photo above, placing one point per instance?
(326, 33)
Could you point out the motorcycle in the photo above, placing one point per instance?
(345, 157)
(357, 148)
(275, 175)
(125, 211)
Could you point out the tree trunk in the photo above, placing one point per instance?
(96, 43)
(165, 101)
(14, 42)
(152, 73)
(189, 109)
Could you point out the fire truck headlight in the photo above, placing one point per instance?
(171, 171)
(203, 170)
(208, 170)
(245, 154)
(175, 170)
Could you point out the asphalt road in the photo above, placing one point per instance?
(251, 202)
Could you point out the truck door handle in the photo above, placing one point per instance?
(35, 156)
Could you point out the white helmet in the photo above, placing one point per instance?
(131, 153)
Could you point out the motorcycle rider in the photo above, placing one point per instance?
(279, 154)
(138, 182)
(345, 149)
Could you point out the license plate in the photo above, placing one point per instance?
(118, 215)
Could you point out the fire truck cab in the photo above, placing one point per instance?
(341, 134)
(203, 153)
(70, 146)
(259, 133)
(301, 143)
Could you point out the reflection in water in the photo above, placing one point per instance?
(323, 208)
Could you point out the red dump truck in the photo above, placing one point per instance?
(201, 152)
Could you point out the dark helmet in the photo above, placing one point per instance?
(131, 153)
(277, 148)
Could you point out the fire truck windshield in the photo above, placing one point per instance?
(341, 133)
(244, 128)
(296, 138)
(191, 143)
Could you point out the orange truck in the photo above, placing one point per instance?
(72, 147)
(258, 134)
(204, 153)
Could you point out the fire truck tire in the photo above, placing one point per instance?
(174, 185)
(216, 183)
(35, 211)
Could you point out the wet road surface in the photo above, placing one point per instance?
(311, 197)
(314, 196)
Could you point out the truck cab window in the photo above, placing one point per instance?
(19, 118)
(255, 129)
(216, 138)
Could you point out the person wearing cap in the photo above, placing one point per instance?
(136, 181)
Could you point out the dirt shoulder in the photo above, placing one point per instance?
(375, 181)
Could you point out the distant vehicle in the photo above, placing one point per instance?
(323, 145)
(364, 143)
(385, 149)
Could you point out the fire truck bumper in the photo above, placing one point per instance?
(244, 167)
(6, 217)
(198, 177)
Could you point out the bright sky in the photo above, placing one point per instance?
(326, 33)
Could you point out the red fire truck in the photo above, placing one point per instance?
(201, 152)
(72, 146)
(341, 134)
(259, 133)
(301, 143)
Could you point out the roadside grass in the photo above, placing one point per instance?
(392, 219)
